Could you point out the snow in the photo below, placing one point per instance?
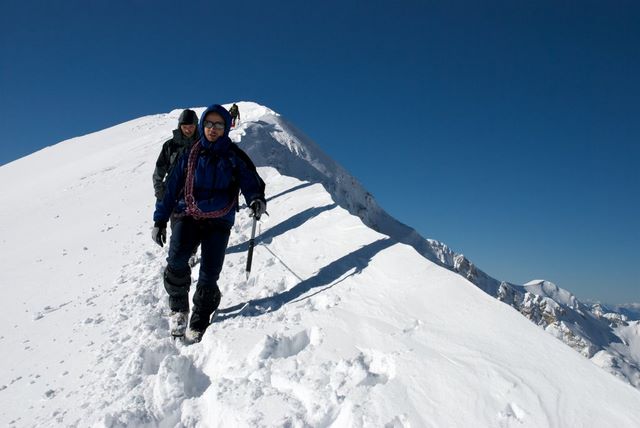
(339, 325)
(549, 289)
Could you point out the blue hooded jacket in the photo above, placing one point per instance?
(221, 168)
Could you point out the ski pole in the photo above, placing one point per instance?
(251, 245)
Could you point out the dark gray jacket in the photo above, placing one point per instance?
(171, 151)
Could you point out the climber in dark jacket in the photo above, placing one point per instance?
(183, 137)
(202, 191)
(234, 111)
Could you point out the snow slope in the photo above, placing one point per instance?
(340, 324)
(273, 141)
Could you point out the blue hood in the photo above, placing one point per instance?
(222, 112)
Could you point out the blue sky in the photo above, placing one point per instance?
(508, 130)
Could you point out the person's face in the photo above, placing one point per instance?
(188, 130)
(215, 122)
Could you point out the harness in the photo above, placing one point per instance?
(192, 208)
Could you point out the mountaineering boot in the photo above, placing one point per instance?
(178, 323)
(205, 303)
(194, 336)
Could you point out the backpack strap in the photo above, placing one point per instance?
(235, 187)
(249, 163)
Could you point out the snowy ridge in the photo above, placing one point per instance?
(271, 140)
(550, 290)
(340, 325)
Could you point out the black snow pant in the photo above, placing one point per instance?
(172, 221)
(213, 236)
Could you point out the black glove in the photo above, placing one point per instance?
(159, 234)
(258, 207)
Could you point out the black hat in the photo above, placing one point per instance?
(188, 117)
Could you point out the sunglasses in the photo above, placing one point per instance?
(218, 125)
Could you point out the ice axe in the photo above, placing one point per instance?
(251, 245)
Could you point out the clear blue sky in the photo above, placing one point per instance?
(509, 130)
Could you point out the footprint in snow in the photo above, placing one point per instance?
(281, 346)
(369, 368)
(513, 411)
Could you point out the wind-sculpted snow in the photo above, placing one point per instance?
(273, 141)
(340, 325)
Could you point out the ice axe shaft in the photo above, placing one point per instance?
(251, 245)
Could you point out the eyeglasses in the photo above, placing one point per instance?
(218, 125)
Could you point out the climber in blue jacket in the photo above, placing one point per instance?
(202, 192)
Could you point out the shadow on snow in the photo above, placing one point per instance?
(289, 224)
(330, 275)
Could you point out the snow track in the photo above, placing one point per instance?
(142, 377)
